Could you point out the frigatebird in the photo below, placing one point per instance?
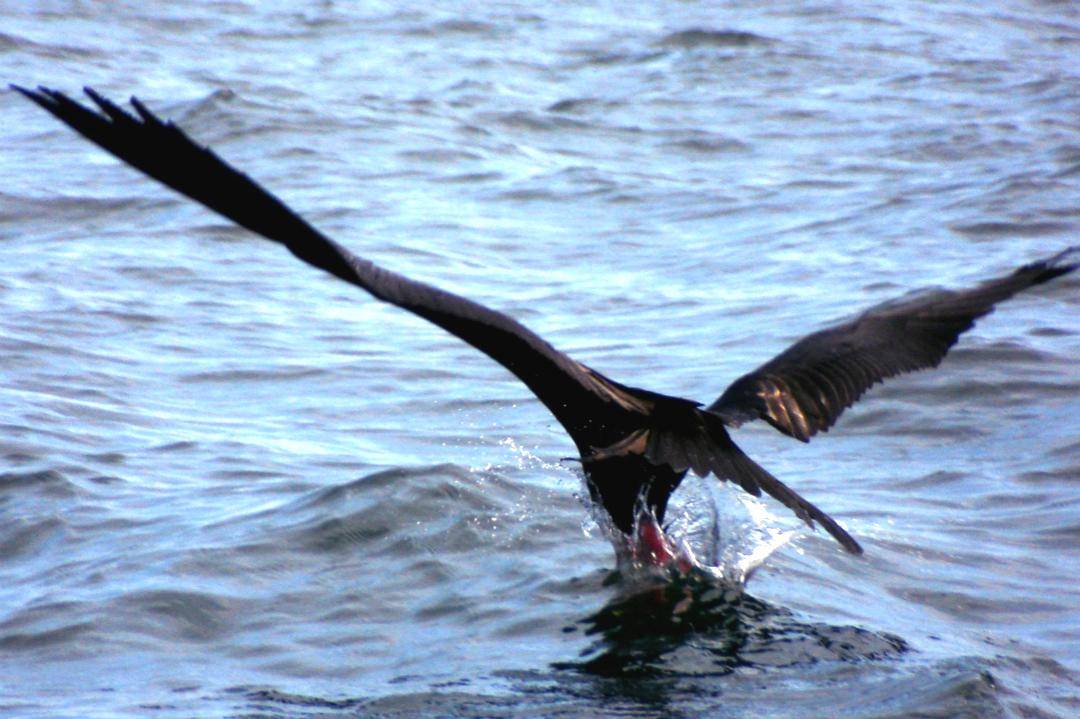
(635, 446)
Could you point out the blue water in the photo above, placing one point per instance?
(231, 486)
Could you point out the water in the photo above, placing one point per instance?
(230, 486)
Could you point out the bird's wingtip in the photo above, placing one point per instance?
(1060, 257)
(1060, 264)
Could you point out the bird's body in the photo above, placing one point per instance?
(636, 446)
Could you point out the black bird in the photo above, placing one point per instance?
(636, 446)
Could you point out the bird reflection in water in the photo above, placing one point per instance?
(695, 623)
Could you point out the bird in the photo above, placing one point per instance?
(635, 446)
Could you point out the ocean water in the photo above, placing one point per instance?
(232, 486)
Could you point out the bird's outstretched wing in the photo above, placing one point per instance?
(593, 408)
(572, 391)
(803, 390)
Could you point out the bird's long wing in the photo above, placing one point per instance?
(161, 150)
(803, 390)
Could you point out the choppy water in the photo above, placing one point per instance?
(230, 486)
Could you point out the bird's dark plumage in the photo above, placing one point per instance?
(803, 390)
(636, 446)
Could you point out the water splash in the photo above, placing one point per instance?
(527, 459)
(698, 538)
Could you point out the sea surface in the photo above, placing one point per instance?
(231, 486)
